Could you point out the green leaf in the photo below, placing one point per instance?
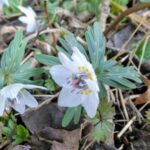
(106, 110)
(13, 55)
(117, 76)
(1, 78)
(11, 124)
(68, 5)
(26, 74)
(122, 2)
(145, 1)
(52, 7)
(68, 117)
(22, 132)
(68, 42)
(6, 131)
(83, 6)
(71, 114)
(102, 131)
(96, 44)
(51, 85)
(77, 115)
(103, 122)
(146, 55)
(47, 60)
(17, 141)
(93, 7)
(12, 9)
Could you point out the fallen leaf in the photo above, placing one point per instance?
(38, 144)
(47, 115)
(58, 146)
(19, 147)
(43, 46)
(61, 139)
(144, 97)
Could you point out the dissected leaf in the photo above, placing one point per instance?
(13, 55)
(96, 44)
(103, 122)
(102, 130)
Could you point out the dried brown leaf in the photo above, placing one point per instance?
(61, 139)
(144, 97)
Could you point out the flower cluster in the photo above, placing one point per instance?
(77, 78)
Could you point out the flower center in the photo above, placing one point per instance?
(77, 81)
(85, 71)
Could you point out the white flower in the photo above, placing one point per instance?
(2, 2)
(29, 19)
(79, 82)
(15, 96)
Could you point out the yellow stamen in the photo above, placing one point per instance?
(86, 92)
(84, 69)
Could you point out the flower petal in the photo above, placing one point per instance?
(77, 56)
(30, 86)
(60, 74)
(26, 98)
(19, 106)
(91, 104)
(69, 98)
(32, 26)
(2, 105)
(28, 11)
(67, 63)
(23, 19)
(92, 85)
(11, 90)
(6, 2)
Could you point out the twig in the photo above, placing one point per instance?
(117, 98)
(48, 100)
(139, 115)
(5, 144)
(131, 36)
(124, 108)
(126, 127)
(126, 13)
(131, 121)
(27, 58)
(91, 143)
(40, 95)
(45, 140)
(104, 13)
